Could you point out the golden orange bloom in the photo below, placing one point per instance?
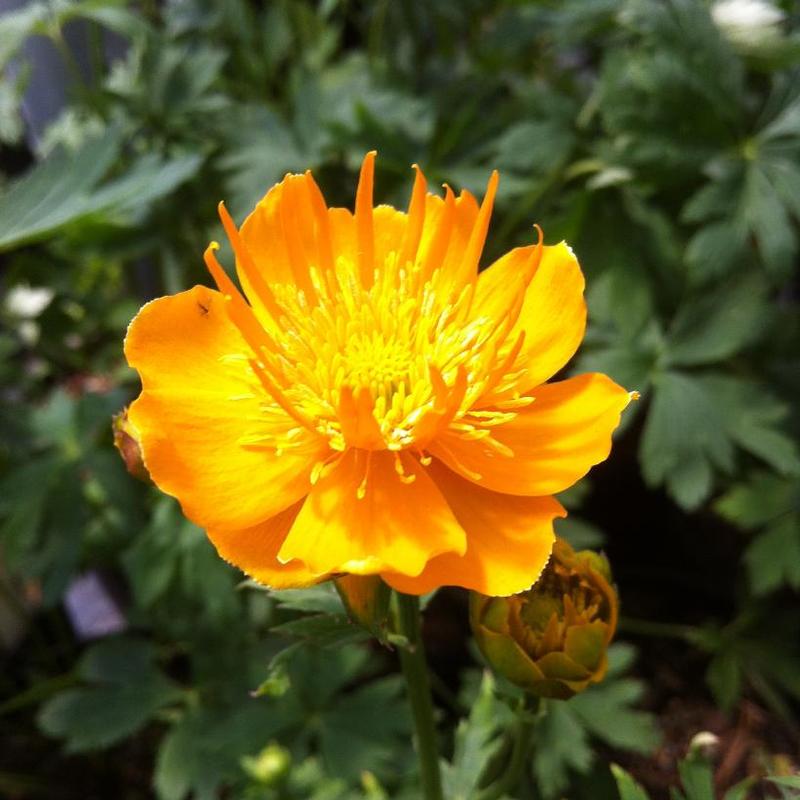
(371, 404)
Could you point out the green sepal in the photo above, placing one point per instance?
(366, 600)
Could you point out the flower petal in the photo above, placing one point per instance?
(509, 540)
(262, 234)
(255, 551)
(198, 406)
(446, 232)
(396, 525)
(553, 314)
(555, 441)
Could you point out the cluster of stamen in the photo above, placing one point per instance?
(411, 358)
(373, 356)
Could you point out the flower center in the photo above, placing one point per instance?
(377, 363)
(384, 367)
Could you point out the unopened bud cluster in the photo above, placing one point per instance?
(552, 639)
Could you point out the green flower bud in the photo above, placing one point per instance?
(270, 766)
(552, 639)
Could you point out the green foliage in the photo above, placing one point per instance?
(73, 495)
(171, 560)
(122, 690)
(562, 733)
(756, 650)
(64, 190)
(697, 779)
(660, 142)
(562, 736)
(476, 742)
(769, 506)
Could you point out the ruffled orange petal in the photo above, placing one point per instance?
(552, 443)
(364, 517)
(200, 416)
(553, 314)
(509, 540)
(255, 551)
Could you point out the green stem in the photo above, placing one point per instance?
(415, 670)
(670, 630)
(70, 62)
(523, 728)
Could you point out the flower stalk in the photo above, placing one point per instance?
(415, 671)
(520, 755)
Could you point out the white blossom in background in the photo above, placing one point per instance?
(27, 302)
(747, 22)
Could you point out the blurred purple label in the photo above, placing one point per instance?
(92, 610)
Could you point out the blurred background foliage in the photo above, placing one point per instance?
(661, 138)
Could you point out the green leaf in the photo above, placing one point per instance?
(354, 738)
(562, 734)
(715, 199)
(172, 555)
(123, 690)
(327, 630)
(561, 744)
(120, 20)
(320, 713)
(724, 678)
(476, 742)
(789, 781)
(693, 424)
(628, 788)
(23, 504)
(63, 189)
(716, 249)
(322, 598)
(202, 751)
(773, 557)
(261, 149)
(55, 192)
(770, 222)
(532, 146)
(713, 326)
(683, 438)
(764, 498)
(614, 698)
(278, 680)
(147, 180)
(697, 778)
(741, 790)
(753, 418)
(757, 648)
(17, 25)
(785, 177)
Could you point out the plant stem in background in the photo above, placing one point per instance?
(646, 627)
(415, 670)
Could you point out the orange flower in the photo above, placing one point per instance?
(374, 405)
